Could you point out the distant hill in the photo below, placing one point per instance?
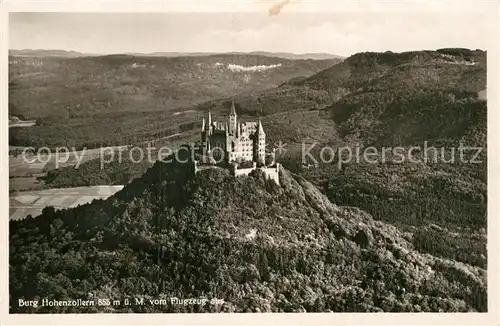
(363, 93)
(302, 56)
(110, 89)
(128, 83)
(410, 97)
(47, 53)
(283, 55)
(74, 54)
(255, 245)
(171, 54)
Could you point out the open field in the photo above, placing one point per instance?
(16, 122)
(22, 124)
(22, 204)
(25, 183)
(40, 164)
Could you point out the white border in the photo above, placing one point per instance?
(300, 6)
(493, 56)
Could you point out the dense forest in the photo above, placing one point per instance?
(258, 246)
(116, 172)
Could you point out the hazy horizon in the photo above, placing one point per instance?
(49, 49)
(340, 34)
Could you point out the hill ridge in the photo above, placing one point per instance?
(68, 53)
(257, 245)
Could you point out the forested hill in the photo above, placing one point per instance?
(254, 244)
(97, 85)
(98, 101)
(387, 98)
(404, 99)
(372, 71)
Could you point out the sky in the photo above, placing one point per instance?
(337, 33)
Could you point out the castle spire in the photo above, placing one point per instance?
(261, 143)
(233, 122)
(203, 125)
(260, 129)
(233, 110)
(209, 117)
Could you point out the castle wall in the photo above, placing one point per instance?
(240, 172)
(271, 173)
(219, 140)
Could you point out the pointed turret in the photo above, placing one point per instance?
(233, 110)
(260, 129)
(261, 143)
(203, 125)
(233, 120)
(209, 117)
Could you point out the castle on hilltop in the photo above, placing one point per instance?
(237, 142)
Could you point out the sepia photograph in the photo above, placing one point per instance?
(274, 161)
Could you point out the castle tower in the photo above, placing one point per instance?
(229, 143)
(233, 120)
(207, 133)
(209, 125)
(260, 146)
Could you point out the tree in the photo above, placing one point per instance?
(263, 266)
